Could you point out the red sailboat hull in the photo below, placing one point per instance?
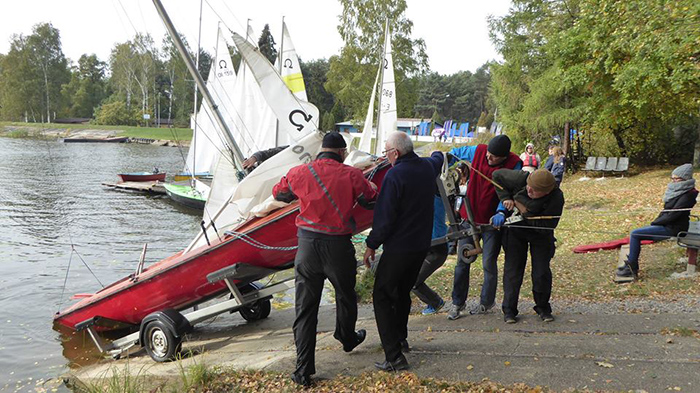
(145, 176)
(180, 280)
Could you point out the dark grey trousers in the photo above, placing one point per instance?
(316, 260)
(395, 277)
(515, 245)
(434, 260)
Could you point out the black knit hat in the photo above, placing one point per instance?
(499, 146)
(333, 140)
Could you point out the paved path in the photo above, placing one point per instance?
(592, 350)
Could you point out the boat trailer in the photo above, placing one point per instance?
(161, 333)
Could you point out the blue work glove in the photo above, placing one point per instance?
(498, 220)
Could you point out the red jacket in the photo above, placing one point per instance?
(327, 191)
(481, 193)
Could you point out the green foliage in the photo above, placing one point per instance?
(352, 73)
(314, 73)
(626, 70)
(31, 76)
(87, 87)
(461, 96)
(116, 113)
(328, 121)
(266, 43)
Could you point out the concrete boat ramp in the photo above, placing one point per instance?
(650, 352)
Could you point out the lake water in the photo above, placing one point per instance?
(52, 201)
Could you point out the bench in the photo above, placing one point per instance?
(617, 165)
(690, 240)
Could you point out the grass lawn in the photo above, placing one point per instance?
(180, 134)
(596, 210)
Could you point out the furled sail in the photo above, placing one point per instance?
(367, 131)
(387, 99)
(290, 68)
(206, 141)
(297, 119)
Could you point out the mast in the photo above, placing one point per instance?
(235, 150)
(279, 69)
(193, 170)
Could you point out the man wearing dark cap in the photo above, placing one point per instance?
(540, 203)
(327, 190)
(483, 200)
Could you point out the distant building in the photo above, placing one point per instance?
(406, 125)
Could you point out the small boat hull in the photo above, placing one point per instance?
(184, 176)
(186, 195)
(180, 281)
(141, 176)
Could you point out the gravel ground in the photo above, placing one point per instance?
(688, 304)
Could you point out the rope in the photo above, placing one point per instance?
(249, 240)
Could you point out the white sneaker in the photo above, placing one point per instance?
(455, 311)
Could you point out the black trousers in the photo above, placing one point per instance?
(515, 245)
(436, 257)
(316, 260)
(396, 274)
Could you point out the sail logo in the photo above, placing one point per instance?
(305, 157)
(306, 118)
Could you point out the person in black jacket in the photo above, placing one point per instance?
(680, 194)
(540, 203)
(258, 157)
(403, 218)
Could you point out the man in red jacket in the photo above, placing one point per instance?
(327, 190)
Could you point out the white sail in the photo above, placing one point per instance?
(367, 131)
(296, 118)
(387, 100)
(256, 188)
(291, 70)
(206, 141)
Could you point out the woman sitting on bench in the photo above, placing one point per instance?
(680, 194)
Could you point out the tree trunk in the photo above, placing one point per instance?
(617, 133)
(696, 153)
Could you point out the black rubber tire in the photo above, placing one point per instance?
(256, 311)
(160, 343)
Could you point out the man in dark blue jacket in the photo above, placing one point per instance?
(402, 222)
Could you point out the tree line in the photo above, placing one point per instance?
(39, 84)
(624, 74)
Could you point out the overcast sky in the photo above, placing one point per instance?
(455, 31)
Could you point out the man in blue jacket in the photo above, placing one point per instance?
(403, 219)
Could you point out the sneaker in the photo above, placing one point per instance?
(455, 311)
(481, 309)
(546, 316)
(509, 318)
(429, 310)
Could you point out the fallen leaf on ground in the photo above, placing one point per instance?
(604, 364)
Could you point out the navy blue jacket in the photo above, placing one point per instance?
(403, 214)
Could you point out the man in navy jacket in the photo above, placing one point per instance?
(402, 222)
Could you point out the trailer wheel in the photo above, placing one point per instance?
(160, 342)
(256, 311)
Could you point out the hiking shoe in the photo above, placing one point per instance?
(455, 311)
(546, 316)
(429, 310)
(625, 274)
(481, 309)
(509, 318)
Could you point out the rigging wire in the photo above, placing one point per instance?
(64, 215)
